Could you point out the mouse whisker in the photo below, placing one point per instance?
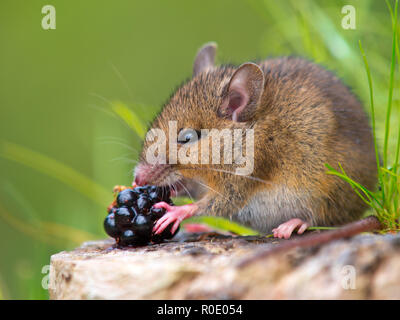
(125, 159)
(173, 187)
(230, 172)
(134, 151)
(240, 175)
(186, 190)
(208, 187)
(103, 109)
(123, 80)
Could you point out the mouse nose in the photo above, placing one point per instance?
(140, 175)
(146, 174)
(139, 180)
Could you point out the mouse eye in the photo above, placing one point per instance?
(188, 135)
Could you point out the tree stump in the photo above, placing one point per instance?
(209, 266)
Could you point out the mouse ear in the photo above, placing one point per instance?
(243, 93)
(205, 58)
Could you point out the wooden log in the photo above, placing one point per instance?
(208, 266)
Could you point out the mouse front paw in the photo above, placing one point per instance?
(286, 229)
(174, 214)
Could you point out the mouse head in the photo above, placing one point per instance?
(219, 100)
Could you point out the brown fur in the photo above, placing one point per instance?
(305, 118)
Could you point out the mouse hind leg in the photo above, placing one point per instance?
(286, 229)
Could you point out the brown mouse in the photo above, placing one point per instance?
(302, 117)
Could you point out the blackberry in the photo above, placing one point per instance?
(110, 226)
(153, 188)
(112, 210)
(165, 235)
(155, 196)
(156, 213)
(123, 217)
(144, 203)
(131, 217)
(126, 198)
(143, 226)
(141, 190)
(165, 194)
(128, 237)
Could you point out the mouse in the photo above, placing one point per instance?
(301, 117)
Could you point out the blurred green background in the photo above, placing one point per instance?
(62, 144)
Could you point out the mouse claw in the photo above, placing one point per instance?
(174, 214)
(286, 229)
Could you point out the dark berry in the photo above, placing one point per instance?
(165, 194)
(141, 190)
(123, 217)
(156, 213)
(134, 211)
(126, 198)
(166, 234)
(143, 226)
(128, 237)
(137, 191)
(110, 226)
(153, 188)
(112, 210)
(132, 216)
(144, 203)
(155, 197)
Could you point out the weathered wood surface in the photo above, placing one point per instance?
(206, 266)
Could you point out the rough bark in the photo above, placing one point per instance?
(210, 266)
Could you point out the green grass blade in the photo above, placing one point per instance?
(220, 223)
(373, 119)
(56, 170)
(47, 232)
(390, 95)
(129, 117)
(390, 173)
(216, 222)
(180, 201)
(66, 232)
(397, 153)
(3, 290)
(354, 185)
(23, 206)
